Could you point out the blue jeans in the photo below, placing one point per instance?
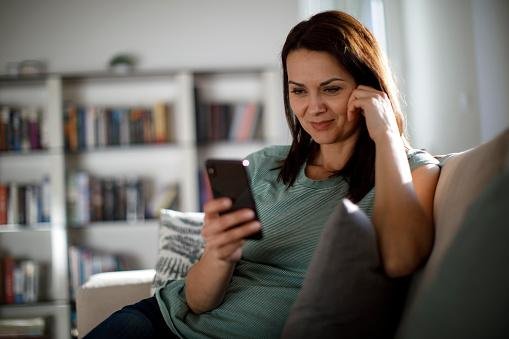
(138, 321)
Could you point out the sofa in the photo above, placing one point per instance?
(458, 293)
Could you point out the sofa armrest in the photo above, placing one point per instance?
(105, 293)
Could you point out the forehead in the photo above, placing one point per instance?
(304, 65)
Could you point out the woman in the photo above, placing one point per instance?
(347, 128)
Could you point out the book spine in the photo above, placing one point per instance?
(160, 122)
(45, 210)
(90, 131)
(8, 268)
(4, 129)
(15, 129)
(4, 203)
(12, 211)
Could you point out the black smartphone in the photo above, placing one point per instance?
(229, 178)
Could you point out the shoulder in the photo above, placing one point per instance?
(270, 154)
(267, 159)
(418, 158)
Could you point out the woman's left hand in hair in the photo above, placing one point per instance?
(377, 110)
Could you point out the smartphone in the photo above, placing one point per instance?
(229, 178)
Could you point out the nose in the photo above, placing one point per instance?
(316, 104)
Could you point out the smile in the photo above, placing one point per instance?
(321, 125)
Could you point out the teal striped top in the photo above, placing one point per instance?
(267, 279)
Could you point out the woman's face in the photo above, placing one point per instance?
(319, 89)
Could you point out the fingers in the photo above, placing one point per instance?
(224, 234)
(363, 97)
(216, 206)
(223, 223)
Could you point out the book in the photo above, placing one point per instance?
(4, 203)
(13, 209)
(160, 122)
(8, 264)
(90, 127)
(15, 129)
(4, 129)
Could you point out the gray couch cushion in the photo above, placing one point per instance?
(470, 296)
(346, 293)
(180, 244)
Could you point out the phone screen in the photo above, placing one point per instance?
(229, 178)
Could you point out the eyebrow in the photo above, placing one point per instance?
(326, 82)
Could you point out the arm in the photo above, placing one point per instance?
(207, 280)
(403, 211)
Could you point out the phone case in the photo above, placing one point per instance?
(229, 178)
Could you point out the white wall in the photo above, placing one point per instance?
(440, 71)
(456, 71)
(75, 35)
(491, 32)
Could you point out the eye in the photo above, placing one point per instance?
(297, 91)
(332, 89)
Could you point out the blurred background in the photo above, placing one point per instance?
(449, 56)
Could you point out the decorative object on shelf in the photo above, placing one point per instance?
(32, 68)
(122, 63)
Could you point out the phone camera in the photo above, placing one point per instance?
(211, 171)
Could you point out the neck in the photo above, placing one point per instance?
(333, 157)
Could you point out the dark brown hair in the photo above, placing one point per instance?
(357, 50)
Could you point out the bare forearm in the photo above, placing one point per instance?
(404, 230)
(206, 283)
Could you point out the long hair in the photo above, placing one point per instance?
(357, 50)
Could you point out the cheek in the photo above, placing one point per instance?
(297, 108)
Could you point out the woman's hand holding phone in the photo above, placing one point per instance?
(225, 233)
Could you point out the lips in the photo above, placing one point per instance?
(321, 125)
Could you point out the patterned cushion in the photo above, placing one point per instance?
(180, 245)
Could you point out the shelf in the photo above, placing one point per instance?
(115, 224)
(127, 148)
(30, 153)
(40, 227)
(43, 305)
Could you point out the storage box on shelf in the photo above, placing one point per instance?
(32, 232)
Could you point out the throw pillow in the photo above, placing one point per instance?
(180, 245)
(346, 293)
(469, 296)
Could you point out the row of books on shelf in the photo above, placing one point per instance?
(91, 198)
(89, 127)
(25, 203)
(239, 122)
(19, 281)
(20, 128)
(27, 327)
(84, 262)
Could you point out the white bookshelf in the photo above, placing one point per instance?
(176, 162)
(45, 243)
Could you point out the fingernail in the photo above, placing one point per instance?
(249, 214)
